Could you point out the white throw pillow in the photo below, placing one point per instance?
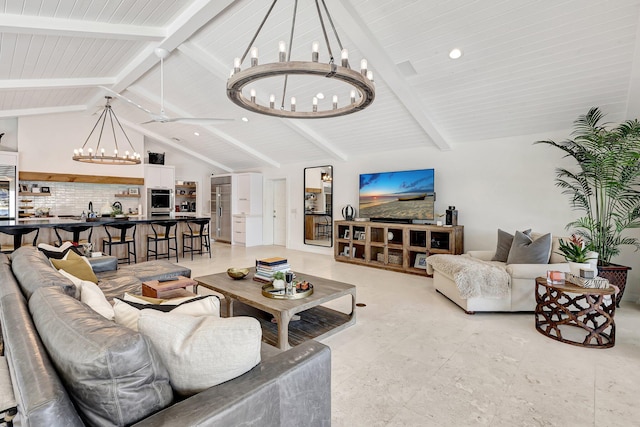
(92, 295)
(128, 312)
(201, 352)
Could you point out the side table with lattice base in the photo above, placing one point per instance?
(576, 315)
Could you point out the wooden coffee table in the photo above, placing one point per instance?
(316, 322)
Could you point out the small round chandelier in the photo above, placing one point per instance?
(99, 155)
(362, 89)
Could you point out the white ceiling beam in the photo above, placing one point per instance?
(318, 140)
(23, 24)
(42, 110)
(633, 96)
(198, 14)
(210, 129)
(383, 66)
(12, 84)
(221, 71)
(164, 140)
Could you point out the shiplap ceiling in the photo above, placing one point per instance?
(528, 67)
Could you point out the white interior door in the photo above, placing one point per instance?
(280, 212)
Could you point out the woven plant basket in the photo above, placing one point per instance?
(616, 275)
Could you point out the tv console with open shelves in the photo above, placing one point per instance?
(392, 246)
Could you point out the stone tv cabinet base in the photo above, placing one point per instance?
(397, 247)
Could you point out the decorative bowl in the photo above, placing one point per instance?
(237, 273)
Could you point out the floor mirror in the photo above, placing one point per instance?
(318, 206)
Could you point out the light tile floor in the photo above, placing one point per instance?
(416, 359)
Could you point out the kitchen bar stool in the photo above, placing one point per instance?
(198, 230)
(162, 231)
(75, 230)
(120, 237)
(323, 228)
(18, 233)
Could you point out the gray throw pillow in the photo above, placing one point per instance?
(505, 240)
(525, 250)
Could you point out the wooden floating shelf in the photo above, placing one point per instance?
(89, 179)
(137, 196)
(29, 193)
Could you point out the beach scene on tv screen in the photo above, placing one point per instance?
(397, 195)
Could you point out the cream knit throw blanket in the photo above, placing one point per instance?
(474, 277)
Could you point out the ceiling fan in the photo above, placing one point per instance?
(162, 117)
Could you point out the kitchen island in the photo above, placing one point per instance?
(47, 233)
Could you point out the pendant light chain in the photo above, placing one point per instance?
(255, 36)
(324, 32)
(286, 76)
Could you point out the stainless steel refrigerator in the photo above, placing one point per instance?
(7, 192)
(221, 208)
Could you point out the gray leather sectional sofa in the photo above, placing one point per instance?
(116, 377)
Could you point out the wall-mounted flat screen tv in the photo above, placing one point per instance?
(397, 196)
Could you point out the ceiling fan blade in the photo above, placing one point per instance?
(124, 98)
(199, 121)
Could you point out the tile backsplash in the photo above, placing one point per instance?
(71, 198)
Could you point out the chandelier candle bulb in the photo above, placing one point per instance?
(314, 51)
(282, 47)
(344, 55)
(102, 151)
(315, 104)
(363, 67)
(254, 56)
(353, 96)
(236, 65)
(335, 102)
(272, 100)
(293, 103)
(252, 92)
(370, 75)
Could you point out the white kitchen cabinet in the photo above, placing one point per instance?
(247, 230)
(248, 194)
(159, 176)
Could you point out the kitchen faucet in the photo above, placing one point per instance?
(90, 207)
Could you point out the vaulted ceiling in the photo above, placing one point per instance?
(527, 67)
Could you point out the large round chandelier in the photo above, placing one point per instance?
(100, 155)
(360, 83)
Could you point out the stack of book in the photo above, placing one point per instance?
(595, 283)
(267, 267)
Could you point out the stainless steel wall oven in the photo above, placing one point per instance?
(159, 202)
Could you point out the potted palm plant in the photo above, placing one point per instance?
(605, 187)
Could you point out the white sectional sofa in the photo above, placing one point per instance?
(520, 295)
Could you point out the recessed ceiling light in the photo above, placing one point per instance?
(320, 95)
(455, 53)
(245, 119)
(196, 133)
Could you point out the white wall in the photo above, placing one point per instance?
(508, 184)
(9, 141)
(46, 144)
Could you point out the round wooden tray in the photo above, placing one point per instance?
(269, 292)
